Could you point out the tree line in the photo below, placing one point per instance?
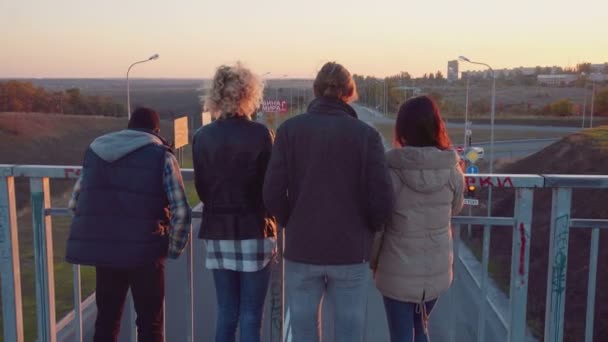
(20, 96)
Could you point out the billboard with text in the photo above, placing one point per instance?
(275, 106)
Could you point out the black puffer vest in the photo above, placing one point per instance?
(122, 216)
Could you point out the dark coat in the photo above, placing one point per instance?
(328, 184)
(230, 159)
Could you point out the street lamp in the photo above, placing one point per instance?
(592, 104)
(466, 116)
(383, 82)
(493, 112)
(486, 234)
(151, 58)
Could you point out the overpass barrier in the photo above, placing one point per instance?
(520, 224)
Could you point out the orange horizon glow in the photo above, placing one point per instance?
(75, 39)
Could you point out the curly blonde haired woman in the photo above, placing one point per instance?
(230, 158)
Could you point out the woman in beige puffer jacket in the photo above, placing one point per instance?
(413, 256)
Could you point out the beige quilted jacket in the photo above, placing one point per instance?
(413, 256)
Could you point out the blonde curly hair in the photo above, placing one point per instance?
(234, 90)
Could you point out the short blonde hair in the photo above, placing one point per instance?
(234, 90)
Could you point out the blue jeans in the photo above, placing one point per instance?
(345, 286)
(405, 322)
(240, 301)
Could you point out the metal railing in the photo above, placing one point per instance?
(520, 223)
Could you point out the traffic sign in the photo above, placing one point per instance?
(472, 156)
(468, 132)
(180, 131)
(471, 201)
(472, 169)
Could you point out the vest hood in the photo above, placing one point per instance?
(113, 146)
(424, 169)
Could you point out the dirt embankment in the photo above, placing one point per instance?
(581, 153)
(48, 139)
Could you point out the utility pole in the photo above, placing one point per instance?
(592, 105)
(584, 104)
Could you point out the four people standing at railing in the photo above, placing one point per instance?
(328, 185)
(230, 159)
(413, 256)
(326, 179)
(130, 213)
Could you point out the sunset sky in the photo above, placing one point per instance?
(75, 38)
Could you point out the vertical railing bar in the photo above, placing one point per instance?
(77, 305)
(43, 257)
(9, 262)
(190, 286)
(456, 242)
(469, 226)
(520, 262)
(481, 320)
(164, 320)
(591, 284)
(278, 330)
(558, 264)
(131, 327)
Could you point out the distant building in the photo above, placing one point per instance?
(476, 74)
(599, 68)
(527, 71)
(598, 77)
(557, 80)
(452, 70)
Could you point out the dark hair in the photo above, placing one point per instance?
(145, 118)
(419, 124)
(333, 80)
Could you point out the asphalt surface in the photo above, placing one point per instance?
(502, 149)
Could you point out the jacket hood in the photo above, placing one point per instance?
(113, 146)
(424, 169)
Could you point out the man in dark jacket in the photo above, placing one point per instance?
(328, 185)
(130, 213)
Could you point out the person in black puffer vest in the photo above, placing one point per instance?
(130, 213)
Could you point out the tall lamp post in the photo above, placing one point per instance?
(151, 58)
(492, 114)
(383, 82)
(592, 104)
(486, 236)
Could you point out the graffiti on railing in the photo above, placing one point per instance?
(522, 254)
(69, 172)
(560, 259)
(561, 254)
(495, 182)
(3, 228)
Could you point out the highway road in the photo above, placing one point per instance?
(372, 116)
(502, 149)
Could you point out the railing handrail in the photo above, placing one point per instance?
(523, 184)
(481, 180)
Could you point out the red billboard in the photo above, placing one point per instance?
(275, 106)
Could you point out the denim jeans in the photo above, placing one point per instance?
(148, 288)
(405, 322)
(306, 286)
(240, 301)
